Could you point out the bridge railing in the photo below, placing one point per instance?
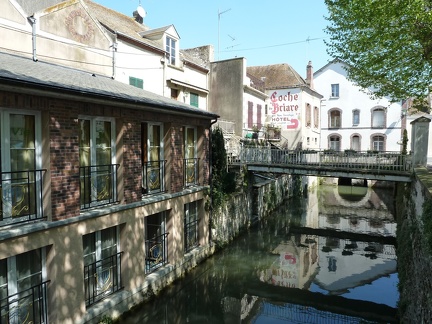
(365, 160)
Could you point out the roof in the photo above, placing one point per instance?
(277, 76)
(28, 75)
(129, 27)
(334, 61)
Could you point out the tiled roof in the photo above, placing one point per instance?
(277, 76)
(21, 71)
(118, 22)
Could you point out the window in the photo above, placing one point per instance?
(194, 99)
(378, 118)
(190, 154)
(355, 143)
(102, 260)
(335, 118)
(378, 143)
(171, 50)
(335, 90)
(23, 288)
(335, 143)
(21, 183)
(316, 117)
(153, 172)
(250, 114)
(356, 117)
(98, 173)
(174, 94)
(259, 115)
(308, 115)
(139, 83)
(156, 243)
(191, 226)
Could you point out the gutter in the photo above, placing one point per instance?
(211, 183)
(32, 21)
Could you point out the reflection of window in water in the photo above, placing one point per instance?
(332, 242)
(331, 263)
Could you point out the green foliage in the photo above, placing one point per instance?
(223, 181)
(106, 320)
(387, 45)
(404, 142)
(427, 221)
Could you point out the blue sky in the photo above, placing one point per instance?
(272, 32)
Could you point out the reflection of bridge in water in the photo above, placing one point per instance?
(390, 166)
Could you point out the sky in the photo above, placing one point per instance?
(273, 32)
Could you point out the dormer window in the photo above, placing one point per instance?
(171, 50)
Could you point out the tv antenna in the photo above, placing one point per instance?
(141, 10)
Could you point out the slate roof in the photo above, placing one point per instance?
(277, 76)
(24, 72)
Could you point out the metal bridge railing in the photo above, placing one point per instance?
(373, 161)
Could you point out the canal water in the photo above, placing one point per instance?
(325, 258)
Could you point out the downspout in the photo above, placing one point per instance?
(114, 62)
(163, 62)
(32, 21)
(211, 183)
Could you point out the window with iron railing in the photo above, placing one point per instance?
(153, 177)
(102, 264)
(191, 174)
(98, 185)
(156, 252)
(191, 226)
(21, 196)
(23, 288)
(27, 306)
(102, 278)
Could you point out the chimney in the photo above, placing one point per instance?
(309, 75)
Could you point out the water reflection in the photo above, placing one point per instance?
(324, 259)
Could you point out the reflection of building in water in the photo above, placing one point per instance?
(296, 263)
(365, 212)
(346, 264)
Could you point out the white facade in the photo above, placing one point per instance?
(350, 119)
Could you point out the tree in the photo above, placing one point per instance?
(387, 45)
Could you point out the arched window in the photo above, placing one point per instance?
(355, 143)
(334, 142)
(378, 118)
(335, 118)
(356, 117)
(378, 143)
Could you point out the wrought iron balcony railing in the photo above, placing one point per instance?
(191, 235)
(102, 278)
(21, 196)
(156, 252)
(98, 185)
(27, 306)
(153, 177)
(191, 172)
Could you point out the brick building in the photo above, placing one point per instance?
(102, 184)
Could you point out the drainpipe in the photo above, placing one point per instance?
(114, 62)
(163, 62)
(32, 21)
(211, 183)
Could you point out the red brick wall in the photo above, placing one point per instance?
(63, 152)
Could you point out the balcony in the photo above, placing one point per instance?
(21, 196)
(191, 172)
(156, 252)
(98, 185)
(153, 177)
(27, 306)
(102, 278)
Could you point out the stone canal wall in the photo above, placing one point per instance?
(245, 208)
(413, 252)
